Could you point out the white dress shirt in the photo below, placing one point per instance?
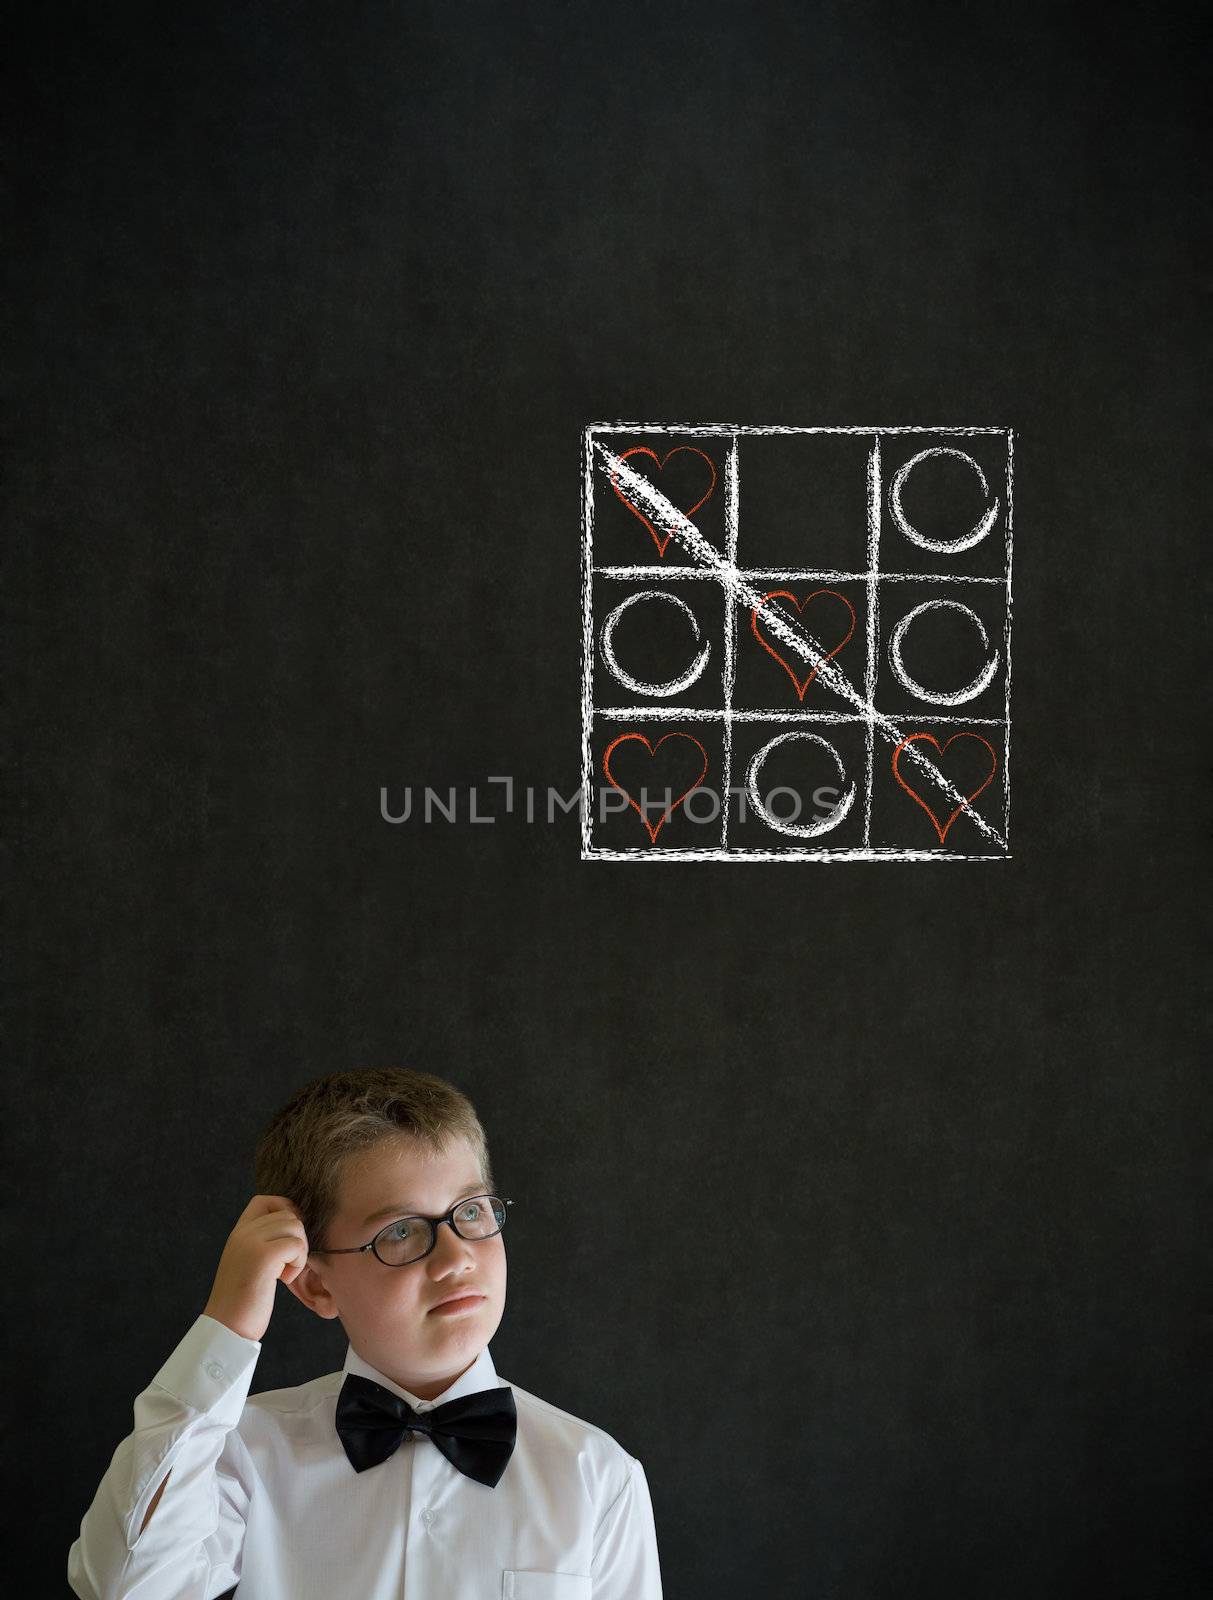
(263, 1496)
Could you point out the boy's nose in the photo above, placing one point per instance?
(449, 1249)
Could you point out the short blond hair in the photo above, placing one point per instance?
(301, 1153)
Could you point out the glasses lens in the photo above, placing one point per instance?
(406, 1240)
(481, 1217)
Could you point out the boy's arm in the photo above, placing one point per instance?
(185, 1463)
(182, 1540)
(625, 1563)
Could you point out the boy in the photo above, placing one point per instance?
(415, 1472)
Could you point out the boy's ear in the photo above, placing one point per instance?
(310, 1287)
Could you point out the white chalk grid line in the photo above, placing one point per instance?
(643, 496)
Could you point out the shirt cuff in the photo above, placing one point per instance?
(211, 1368)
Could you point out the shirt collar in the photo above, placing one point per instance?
(482, 1374)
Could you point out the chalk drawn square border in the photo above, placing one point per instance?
(730, 433)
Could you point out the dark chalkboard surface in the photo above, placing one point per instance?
(315, 308)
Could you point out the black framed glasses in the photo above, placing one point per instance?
(409, 1239)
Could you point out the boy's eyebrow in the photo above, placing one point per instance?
(406, 1208)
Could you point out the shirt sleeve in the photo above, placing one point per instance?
(185, 1425)
(625, 1563)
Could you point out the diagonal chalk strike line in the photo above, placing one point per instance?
(667, 515)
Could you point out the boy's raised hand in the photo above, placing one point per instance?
(267, 1243)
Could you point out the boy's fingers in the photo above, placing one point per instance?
(270, 1225)
(276, 1224)
(262, 1204)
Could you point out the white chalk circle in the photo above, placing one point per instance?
(799, 830)
(971, 690)
(942, 546)
(638, 685)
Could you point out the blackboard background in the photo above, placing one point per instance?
(314, 302)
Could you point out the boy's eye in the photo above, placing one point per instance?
(470, 1212)
(406, 1228)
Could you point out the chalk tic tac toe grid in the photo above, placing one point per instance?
(796, 643)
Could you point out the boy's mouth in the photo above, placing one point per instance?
(452, 1306)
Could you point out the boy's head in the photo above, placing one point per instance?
(355, 1151)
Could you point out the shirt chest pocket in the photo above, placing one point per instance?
(545, 1586)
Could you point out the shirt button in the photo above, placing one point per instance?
(214, 1370)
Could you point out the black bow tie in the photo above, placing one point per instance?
(475, 1433)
